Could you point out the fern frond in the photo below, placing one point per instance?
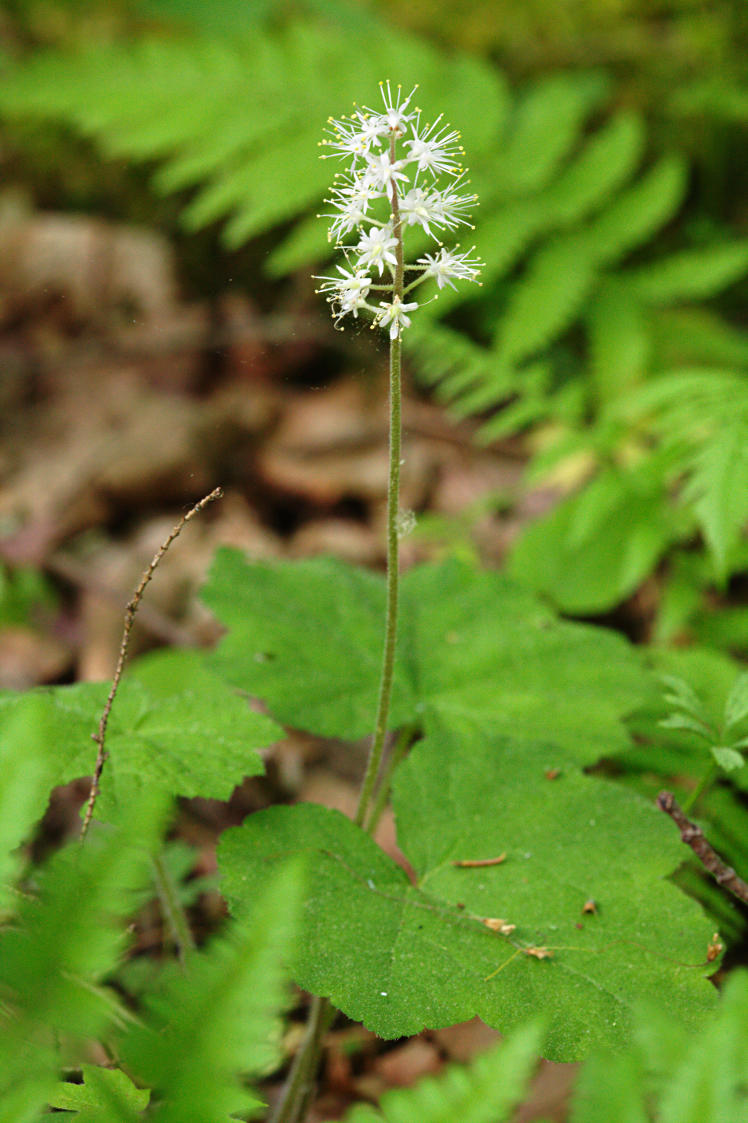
(207, 1026)
(237, 119)
(608, 159)
(453, 365)
(693, 275)
(619, 339)
(703, 416)
(688, 336)
(548, 297)
(545, 128)
(640, 211)
(65, 939)
(484, 1092)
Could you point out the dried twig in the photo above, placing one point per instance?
(693, 836)
(100, 736)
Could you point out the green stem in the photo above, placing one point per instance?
(393, 537)
(293, 1104)
(402, 745)
(174, 915)
(701, 787)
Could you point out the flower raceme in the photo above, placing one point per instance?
(400, 173)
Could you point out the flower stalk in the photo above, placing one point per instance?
(401, 173)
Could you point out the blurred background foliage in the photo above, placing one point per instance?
(607, 142)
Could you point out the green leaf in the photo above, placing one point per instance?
(545, 127)
(605, 163)
(205, 1027)
(608, 1080)
(686, 723)
(174, 726)
(705, 1080)
(618, 338)
(736, 706)
(718, 489)
(101, 1090)
(306, 638)
(727, 758)
(701, 415)
(23, 593)
(485, 1091)
(400, 955)
(26, 776)
(596, 547)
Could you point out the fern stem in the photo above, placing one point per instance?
(294, 1101)
(174, 915)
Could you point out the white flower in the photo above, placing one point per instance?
(435, 150)
(381, 173)
(416, 207)
(446, 266)
(399, 173)
(395, 118)
(451, 210)
(352, 202)
(348, 292)
(373, 128)
(395, 315)
(376, 248)
(347, 139)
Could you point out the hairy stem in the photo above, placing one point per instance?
(100, 736)
(393, 538)
(399, 749)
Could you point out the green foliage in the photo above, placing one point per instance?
(568, 324)
(241, 143)
(173, 728)
(399, 956)
(471, 644)
(484, 1092)
(689, 713)
(24, 593)
(671, 1076)
(98, 1098)
(206, 1025)
(596, 547)
(701, 416)
(66, 936)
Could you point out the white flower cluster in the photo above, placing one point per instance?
(400, 173)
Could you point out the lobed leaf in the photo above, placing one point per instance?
(174, 727)
(306, 638)
(400, 955)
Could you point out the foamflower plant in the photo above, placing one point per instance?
(400, 173)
